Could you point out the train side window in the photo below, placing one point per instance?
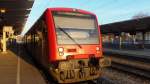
(39, 37)
(36, 38)
(45, 32)
(28, 38)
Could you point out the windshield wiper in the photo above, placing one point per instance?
(68, 36)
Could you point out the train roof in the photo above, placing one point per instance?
(69, 9)
(65, 10)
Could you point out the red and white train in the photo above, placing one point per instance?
(67, 43)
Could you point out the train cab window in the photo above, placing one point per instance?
(80, 27)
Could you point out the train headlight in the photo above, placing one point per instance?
(61, 53)
(61, 49)
(97, 48)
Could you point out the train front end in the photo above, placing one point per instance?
(76, 50)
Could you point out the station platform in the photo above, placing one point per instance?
(15, 69)
(141, 53)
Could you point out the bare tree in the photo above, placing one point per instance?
(140, 15)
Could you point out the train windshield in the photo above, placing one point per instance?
(75, 28)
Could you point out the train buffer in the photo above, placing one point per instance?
(15, 70)
(143, 53)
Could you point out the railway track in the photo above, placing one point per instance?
(133, 70)
(138, 66)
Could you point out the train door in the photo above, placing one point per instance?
(45, 49)
(41, 44)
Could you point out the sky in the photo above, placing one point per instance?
(107, 11)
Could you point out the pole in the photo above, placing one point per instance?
(4, 42)
(120, 42)
(143, 40)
